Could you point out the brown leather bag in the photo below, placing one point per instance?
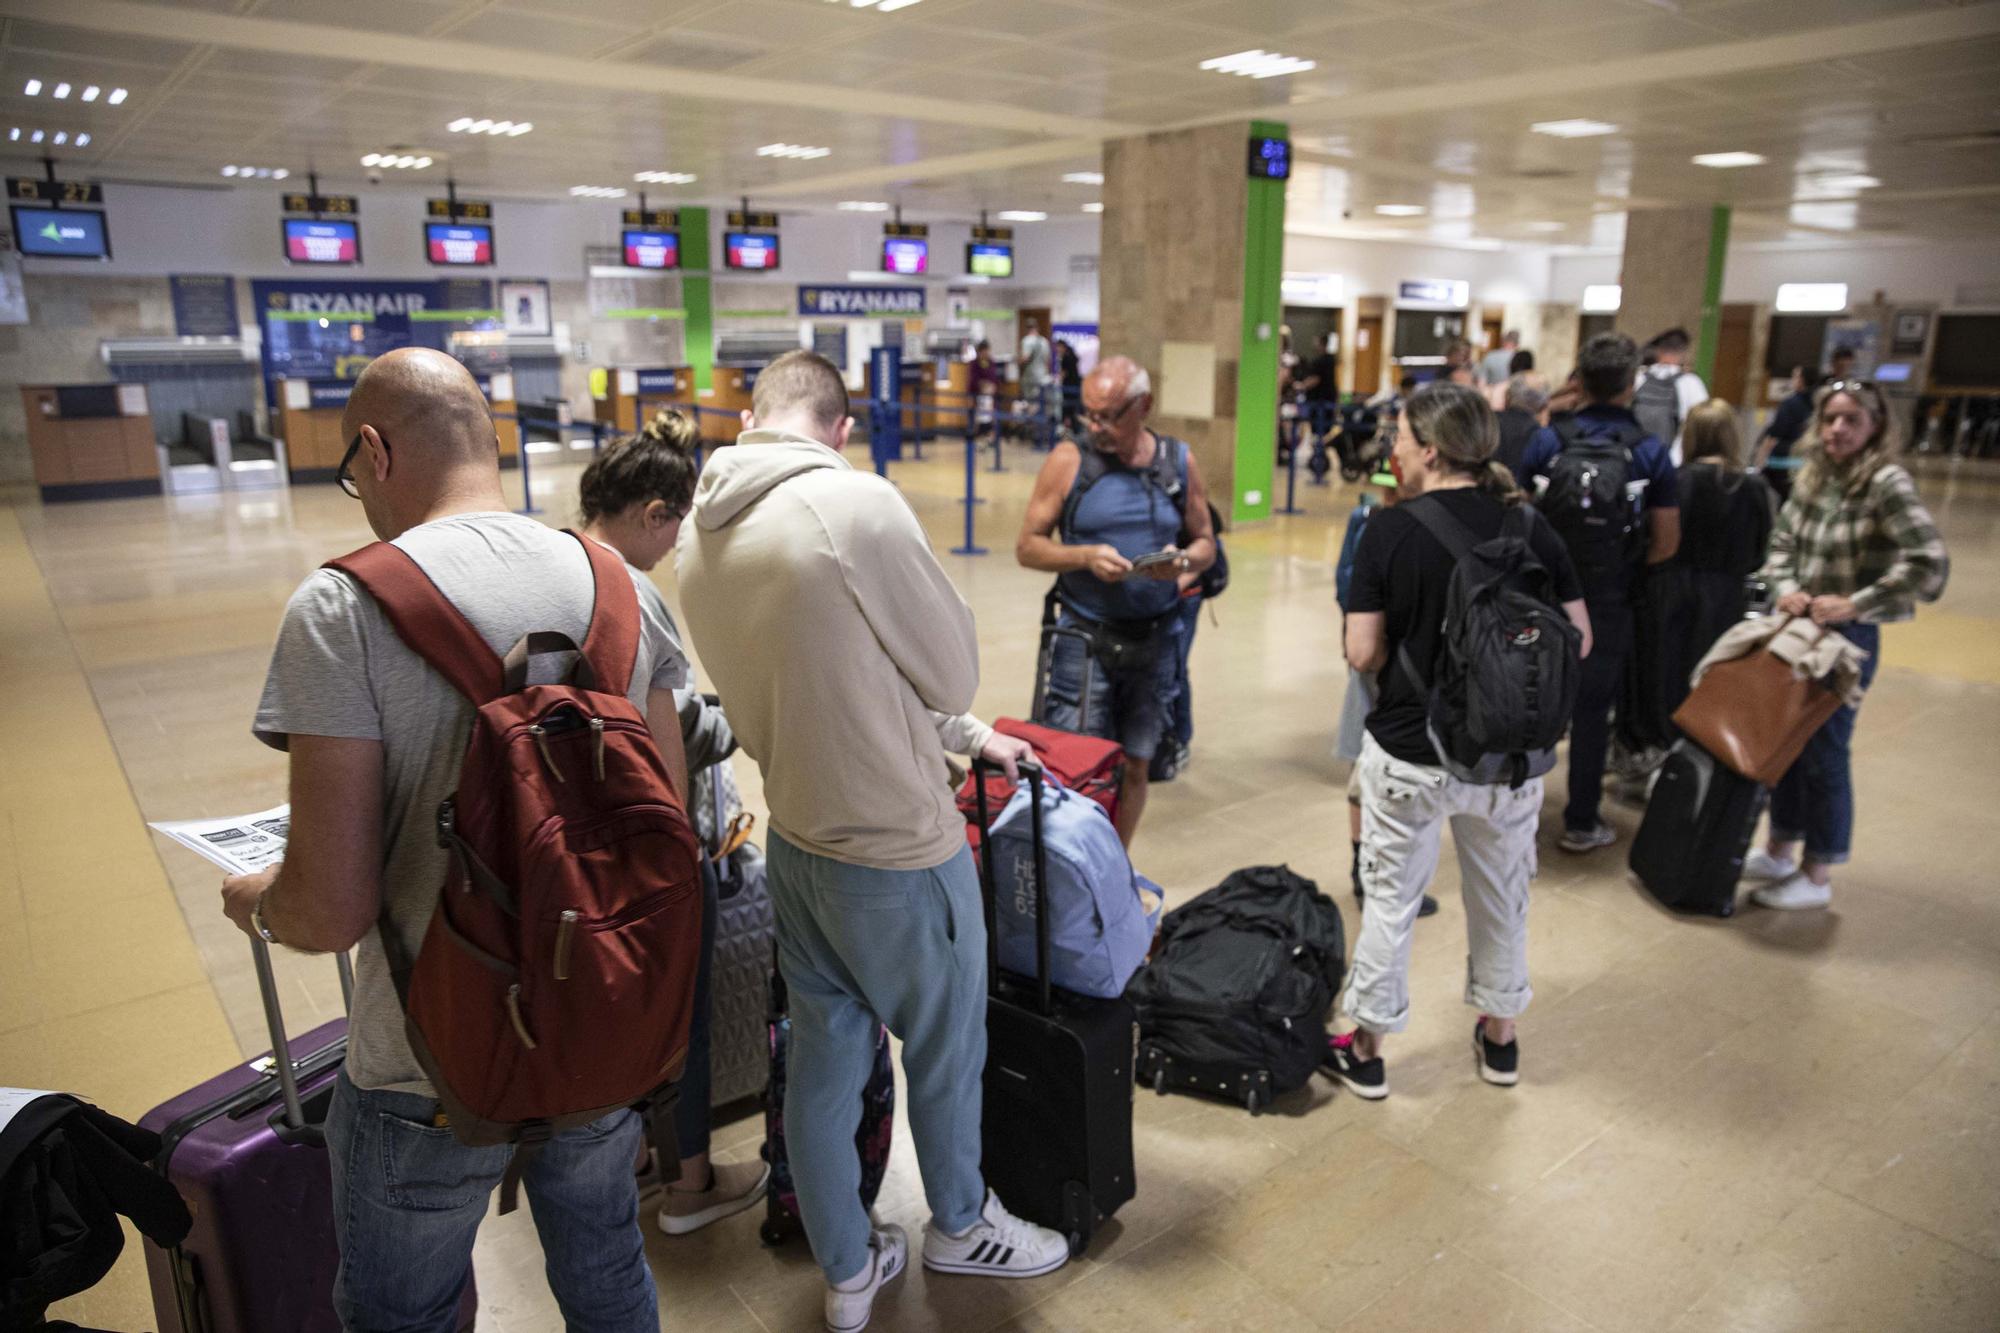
(1756, 713)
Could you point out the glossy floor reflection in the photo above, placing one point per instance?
(1774, 1122)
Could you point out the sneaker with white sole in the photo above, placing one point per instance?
(999, 1244)
(1363, 1078)
(1498, 1065)
(732, 1187)
(1760, 864)
(1794, 893)
(888, 1251)
(1589, 839)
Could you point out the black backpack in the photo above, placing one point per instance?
(1243, 979)
(1590, 501)
(1510, 660)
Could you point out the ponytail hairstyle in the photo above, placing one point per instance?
(1458, 422)
(1711, 433)
(1883, 443)
(659, 463)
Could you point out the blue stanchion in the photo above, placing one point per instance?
(972, 500)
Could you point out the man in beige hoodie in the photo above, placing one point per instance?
(846, 662)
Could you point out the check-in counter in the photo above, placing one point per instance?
(91, 441)
(950, 397)
(309, 413)
(631, 396)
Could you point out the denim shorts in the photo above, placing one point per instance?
(1130, 705)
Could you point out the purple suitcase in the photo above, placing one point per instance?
(245, 1149)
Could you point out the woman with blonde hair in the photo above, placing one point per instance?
(1726, 515)
(1854, 548)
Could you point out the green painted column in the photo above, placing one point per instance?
(698, 332)
(1711, 294)
(1257, 362)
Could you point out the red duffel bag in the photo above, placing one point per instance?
(1088, 765)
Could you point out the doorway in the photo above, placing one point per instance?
(1368, 324)
(1492, 328)
(1731, 369)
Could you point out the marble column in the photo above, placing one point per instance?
(1671, 276)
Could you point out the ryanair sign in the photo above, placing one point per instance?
(860, 302)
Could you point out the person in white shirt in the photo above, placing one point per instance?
(1667, 373)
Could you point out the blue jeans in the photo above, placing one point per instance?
(1130, 705)
(1181, 723)
(408, 1198)
(861, 947)
(1815, 798)
(1602, 683)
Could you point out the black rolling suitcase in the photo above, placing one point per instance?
(1690, 847)
(1056, 1137)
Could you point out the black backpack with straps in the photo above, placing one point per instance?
(1165, 473)
(1590, 501)
(1507, 675)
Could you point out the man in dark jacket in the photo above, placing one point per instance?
(1527, 401)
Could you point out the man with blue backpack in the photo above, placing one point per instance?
(1122, 521)
(1607, 486)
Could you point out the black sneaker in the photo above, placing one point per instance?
(1429, 908)
(1363, 1078)
(1498, 1065)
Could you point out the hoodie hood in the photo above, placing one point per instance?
(760, 461)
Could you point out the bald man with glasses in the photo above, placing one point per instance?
(1121, 519)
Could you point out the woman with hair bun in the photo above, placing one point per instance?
(633, 498)
(1443, 462)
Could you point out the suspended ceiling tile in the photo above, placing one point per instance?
(523, 30)
(49, 39)
(404, 17)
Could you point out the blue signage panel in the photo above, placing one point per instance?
(854, 302)
(331, 393)
(204, 305)
(1434, 291)
(330, 329)
(657, 382)
(885, 391)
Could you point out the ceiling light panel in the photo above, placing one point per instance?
(512, 129)
(64, 138)
(1400, 210)
(1022, 215)
(63, 88)
(1094, 206)
(1725, 161)
(1258, 64)
(863, 206)
(799, 152)
(664, 177)
(1084, 178)
(1573, 129)
(598, 191)
(397, 161)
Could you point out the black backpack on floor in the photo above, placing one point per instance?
(1236, 999)
(1507, 677)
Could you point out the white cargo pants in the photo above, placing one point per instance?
(1404, 807)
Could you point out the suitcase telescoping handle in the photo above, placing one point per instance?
(281, 1046)
(1039, 850)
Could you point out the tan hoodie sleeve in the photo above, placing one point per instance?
(917, 615)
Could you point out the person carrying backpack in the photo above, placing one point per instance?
(1608, 488)
(1666, 391)
(1468, 605)
(386, 662)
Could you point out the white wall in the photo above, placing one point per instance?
(1945, 273)
(1516, 277)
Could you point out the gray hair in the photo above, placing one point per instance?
(1139, 385)
(1528, 392)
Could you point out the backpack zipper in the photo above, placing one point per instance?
(565, 938)
(541, 735)
(514, 1012)
(597, 746)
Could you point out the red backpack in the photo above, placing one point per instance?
(556, 979)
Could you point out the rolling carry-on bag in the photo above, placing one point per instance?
(247, 1150)
(739, 1058)
(871, 1137)
(1056, 1127)
(1699, 822)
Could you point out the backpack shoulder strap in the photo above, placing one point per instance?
(612, 643)
(1453, 535)
(425, 620)
(1170, 470)
(1090, 469)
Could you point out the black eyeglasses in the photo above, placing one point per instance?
(345, 473)
(1098, 419)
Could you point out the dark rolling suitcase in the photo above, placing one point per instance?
(1690, 847)
(247, 1151)
(1056, 1127)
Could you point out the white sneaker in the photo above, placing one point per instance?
(998, 1245)
(1760, 864)
(848, 1311)
(1794, 893)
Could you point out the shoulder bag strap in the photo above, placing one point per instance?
(612, 644)
(425, 620)
(1090, 469)
(1453, 535)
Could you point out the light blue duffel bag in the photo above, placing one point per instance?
(1100, 926)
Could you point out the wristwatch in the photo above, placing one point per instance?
(257, 920)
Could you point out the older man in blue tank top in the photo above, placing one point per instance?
(1121, 519)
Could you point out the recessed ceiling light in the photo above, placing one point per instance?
(61, 91)
(37, 137)
(371, 159)
(117, 96)
(1258, 64)
(33, 87)
(520, 129)
(1729, 159)
(279, 174)
(792, 150)
(1543, 226)
(62, 136)
(90, 93)
(15, 133)
(461, 125)
(1573, 129)
(229, 171)
(665, 177)
(1094, 206)
(1838, 184)
(1022, 215)
(1084, 178)
(423, 162)
(1400, 210)
(598, 191)
(891, 6)
(863, 206)
(1817, 297)
(83, 140)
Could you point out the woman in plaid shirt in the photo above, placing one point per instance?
(1853, 548)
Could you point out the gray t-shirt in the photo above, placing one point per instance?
(340, 670)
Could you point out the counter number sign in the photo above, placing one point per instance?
(1270, 159)
(33, 190)
(467, 210)
(333, 205)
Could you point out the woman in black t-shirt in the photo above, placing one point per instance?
(1443, 457)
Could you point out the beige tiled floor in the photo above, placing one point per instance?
(1769, 1123)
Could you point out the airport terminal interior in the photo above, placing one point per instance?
(223, 210)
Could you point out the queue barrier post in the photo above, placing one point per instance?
(972, 498)
(1292, 472)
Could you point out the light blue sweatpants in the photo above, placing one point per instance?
(860, 947)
